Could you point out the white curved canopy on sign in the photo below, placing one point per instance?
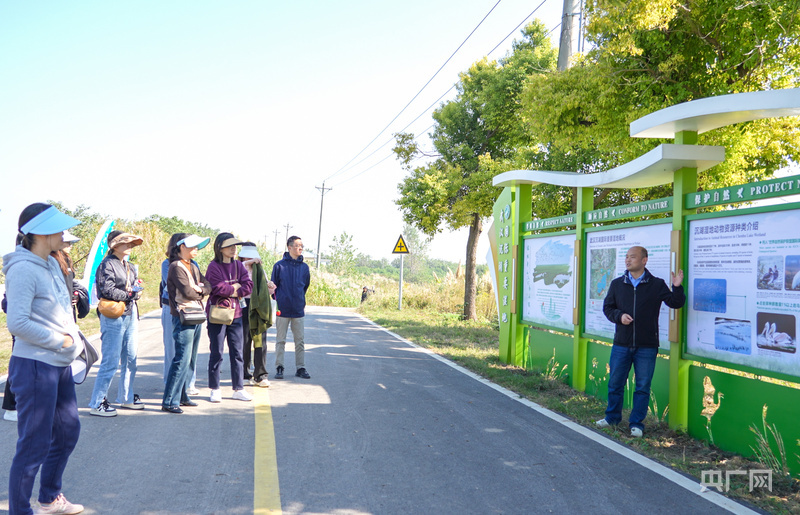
(706, 114)
(652, 169)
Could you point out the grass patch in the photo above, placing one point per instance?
(474, 345)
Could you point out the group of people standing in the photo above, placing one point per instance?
(41, 319)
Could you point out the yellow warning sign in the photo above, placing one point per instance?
(400, 247)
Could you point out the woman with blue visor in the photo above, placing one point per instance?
(46, 343)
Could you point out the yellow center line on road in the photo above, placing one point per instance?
(267, 493)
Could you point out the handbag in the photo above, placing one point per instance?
(114, 308)
(80, 366)
(111, 308)
(192, 314)
(219, 314)
(224, 311)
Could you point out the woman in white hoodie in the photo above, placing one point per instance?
(46, 342)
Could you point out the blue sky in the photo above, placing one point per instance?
(230, 113)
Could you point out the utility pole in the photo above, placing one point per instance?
(322, 190)
(276, 240)
(287, 231)
(567, 34)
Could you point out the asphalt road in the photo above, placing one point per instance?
(381, 427)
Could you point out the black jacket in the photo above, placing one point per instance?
(642, 303)
(112, 282)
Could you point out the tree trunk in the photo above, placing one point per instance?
(470, 283)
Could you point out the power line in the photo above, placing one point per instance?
(346, 168)
(419, 92)
(517, 27)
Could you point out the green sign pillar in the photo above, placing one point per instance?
(685, 181)
(512, 206)
(584, 203)
(523, 205)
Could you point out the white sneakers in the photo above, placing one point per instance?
(635, 431)
(192, 391)
(60, 505)
(264, 383)
(10, 415)
(239, 395)
(216, 396)
(242, 395)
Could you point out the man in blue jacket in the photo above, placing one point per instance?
(291, 277)
(632, 304)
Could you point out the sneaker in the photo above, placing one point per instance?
(242, 395)
(602, 423)
(301, 372)
(103, 410)
(10, 415)
(636, 432)
(279, 372)
(193, 391)
(136, 404)
(60, 505)
(264, 383)
(216, 396)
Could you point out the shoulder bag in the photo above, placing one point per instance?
(192, 312)
(114, 308)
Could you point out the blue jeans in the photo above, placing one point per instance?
(48, 430)
(217, 334)
(187, 340)
(169, 344)
(119, 346)
(643, 360)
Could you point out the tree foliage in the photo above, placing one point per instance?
(476, 136)
(651, 54)
(342, 255)
(173, 224)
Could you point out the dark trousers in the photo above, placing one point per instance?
(217, 334)
(259, 355)
(48, 430)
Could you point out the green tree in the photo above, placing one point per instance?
(651, 54)
(476, 136)
(173, 224)
(415, 263)
(342, 255)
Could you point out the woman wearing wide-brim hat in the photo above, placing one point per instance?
(118, 281)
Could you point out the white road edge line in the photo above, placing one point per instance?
(666, 472)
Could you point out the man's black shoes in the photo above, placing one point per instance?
(301, 372)
(279, 373)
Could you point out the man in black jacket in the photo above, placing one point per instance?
(632, 304)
